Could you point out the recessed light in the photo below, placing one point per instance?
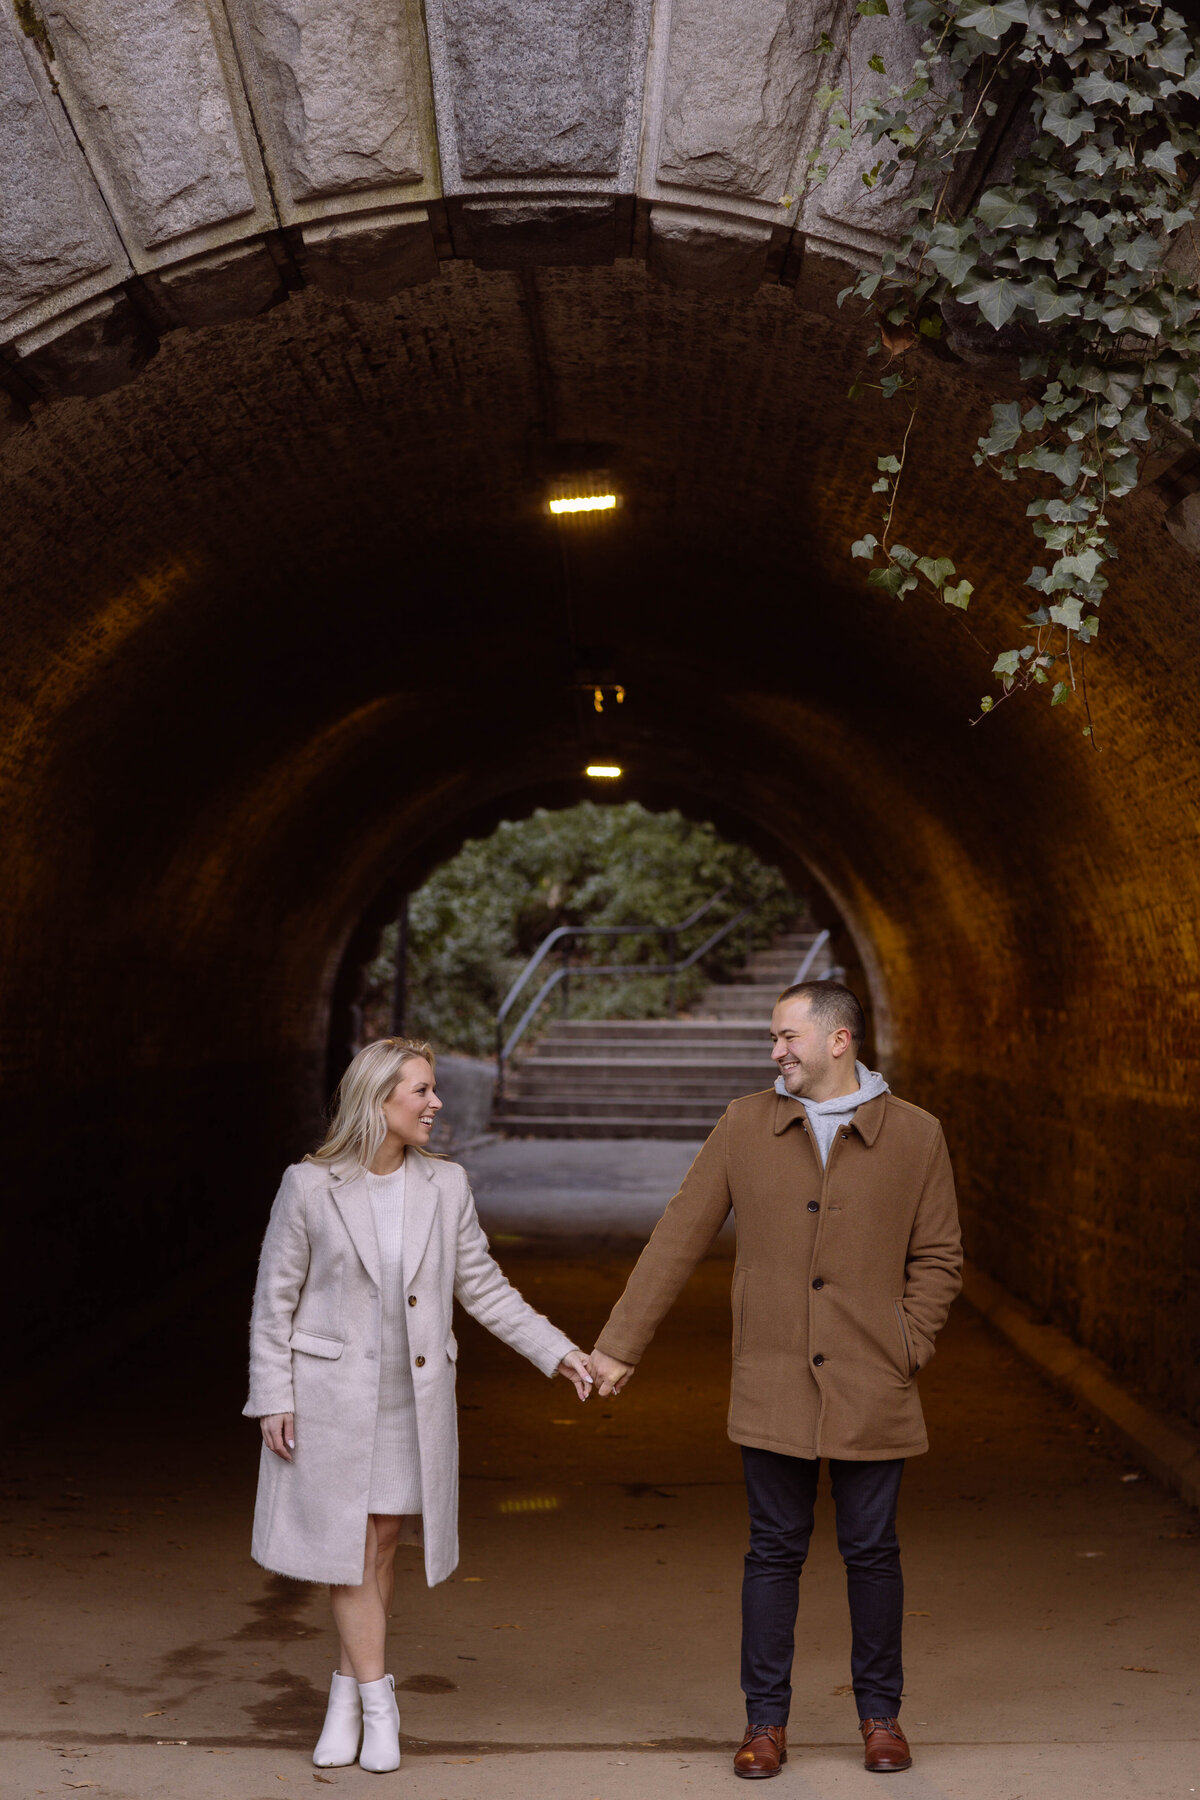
(603, 771)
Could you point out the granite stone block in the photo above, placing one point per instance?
(739, 85)
(340, 91)
(53, 229)
(539, 85)
(148, 93)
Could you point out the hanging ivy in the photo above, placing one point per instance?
(1064, 261)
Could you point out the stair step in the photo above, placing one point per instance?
(663, 1093)
(684, 1032)
(631, 1106)
(653, 1078)
(546, 1127)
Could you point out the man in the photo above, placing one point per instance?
(848, 1258)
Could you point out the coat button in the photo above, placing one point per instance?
(818, 1360)
(412, 1299)
(420, 1362)
(818, 1284)
(814, 1206)
(845, 1134)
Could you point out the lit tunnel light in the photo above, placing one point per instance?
(604, 771)
(578, 503)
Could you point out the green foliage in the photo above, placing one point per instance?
(481, 915)
(1068, 253)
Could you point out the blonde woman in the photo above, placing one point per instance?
(370, 1241)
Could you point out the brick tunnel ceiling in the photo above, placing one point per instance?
(283, 619)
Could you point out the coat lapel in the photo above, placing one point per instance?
(420, 1208)
(352, 1200)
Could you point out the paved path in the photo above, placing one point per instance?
(587, 1647)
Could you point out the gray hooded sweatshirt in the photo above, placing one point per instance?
(825, 1116)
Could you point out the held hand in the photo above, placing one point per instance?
(575, 1368)
(611, 1375)
(279, 1433)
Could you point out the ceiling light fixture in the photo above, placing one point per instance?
(603, 771)
(579, 503)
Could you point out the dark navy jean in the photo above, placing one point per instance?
(781, 1491)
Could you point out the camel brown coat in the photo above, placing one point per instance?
(314, 1352)
(843, 1279)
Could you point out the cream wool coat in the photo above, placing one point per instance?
(315, 1335)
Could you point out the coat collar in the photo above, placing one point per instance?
(868, 1120)
(353, 1201)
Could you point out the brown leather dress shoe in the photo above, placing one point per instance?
(764, 1749)
(886, 1746)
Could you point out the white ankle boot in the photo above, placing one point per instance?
(381, 1725)
(338, 1742)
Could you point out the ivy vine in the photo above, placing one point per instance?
(1065, 260)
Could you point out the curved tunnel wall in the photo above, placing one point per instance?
(283, 621)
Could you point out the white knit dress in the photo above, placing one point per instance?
(396, 1462)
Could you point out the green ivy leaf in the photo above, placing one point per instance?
(936, 569)
(1006, 429)
(955, 265)
(993, 21)
(958, 596)
(870, 9)
(1062, 691)
(1004, 209)
(1007, 663)
(865, 546)
(877, 63)
(996, 300)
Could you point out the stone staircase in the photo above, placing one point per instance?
(655, 1078)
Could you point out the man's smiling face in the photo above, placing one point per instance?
(802, 1050)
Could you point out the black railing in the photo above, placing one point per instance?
(561, 940)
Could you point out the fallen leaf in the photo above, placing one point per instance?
(160, 1714)
(839, 1693)
(506, 1628)
(165, 1743)
(1139, 1669)
(81, 1784)
(918, 1615)
(327, 1779)
(897, 338)
(474, 1577)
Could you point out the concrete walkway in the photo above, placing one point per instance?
(586, 1648)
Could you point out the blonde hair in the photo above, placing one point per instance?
(358, 1127)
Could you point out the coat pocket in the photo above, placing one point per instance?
(452, 1347)
(313, 1344)
(907, 1353)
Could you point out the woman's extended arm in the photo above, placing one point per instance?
(482, 1287)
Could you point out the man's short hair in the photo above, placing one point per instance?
(831, 1005)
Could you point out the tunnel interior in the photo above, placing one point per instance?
(284, 621)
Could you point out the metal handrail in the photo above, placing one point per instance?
(810, 956)
(568, 931)
(504, 1049)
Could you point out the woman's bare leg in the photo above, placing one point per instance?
(361, 1613)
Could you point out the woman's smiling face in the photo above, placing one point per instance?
(412, 1105)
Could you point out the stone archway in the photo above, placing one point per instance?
(283, 619)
